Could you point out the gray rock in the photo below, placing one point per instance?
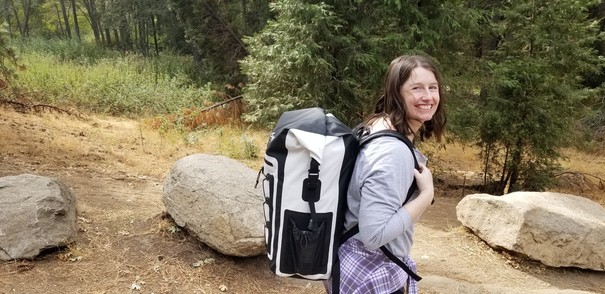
(36, 213)
(560, 230)
(214, 198)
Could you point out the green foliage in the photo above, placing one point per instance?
(67, 50)
(174, 229)
(128, 85)
(250, 149)
(462, 29)
(289, 64)
(9, 61)
(237, 143)
(514, 72)
(592, 125)
(532, 94)
(333, 55)
(215, 30)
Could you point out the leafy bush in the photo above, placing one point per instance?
(129, 84)
(289, 61)
(9, 61)
(66, 49)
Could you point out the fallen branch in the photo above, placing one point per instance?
(222, 103)
(36, 107)
(583, 177)
(13, 103)
(20, 106)
(582, 174)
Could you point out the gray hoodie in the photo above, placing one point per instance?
(383, 174)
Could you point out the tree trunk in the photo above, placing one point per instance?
(17, 20)
(76, 26)
(100, 28)
(125, 37)
(505, 174)
(65, 18)
(26, 13)
(61, 29)
(487, 155)
(7, 17)
(108, 38)
(143, 37)
(118, 40)
(155, 36)
(515, 163)
(94, 22)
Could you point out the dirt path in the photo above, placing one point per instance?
(126, 244)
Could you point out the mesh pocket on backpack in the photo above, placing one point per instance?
(305, 251)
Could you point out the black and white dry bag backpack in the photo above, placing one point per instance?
(307, 167)
(308, 164)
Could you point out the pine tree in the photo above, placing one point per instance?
(333, 54)
(290, 64)
(532, 95)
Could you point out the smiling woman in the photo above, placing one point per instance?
(390, 187)
(416, 78)
(421, 96)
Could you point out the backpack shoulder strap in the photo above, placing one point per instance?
(366, 138)
(400, 263)
(354, 230)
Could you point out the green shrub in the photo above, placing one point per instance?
(118, 85)
(66, 50)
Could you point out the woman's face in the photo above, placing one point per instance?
(420, 94)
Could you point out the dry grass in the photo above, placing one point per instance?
(583, 173)
(589, 163)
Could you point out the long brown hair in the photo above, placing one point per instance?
(390, 104)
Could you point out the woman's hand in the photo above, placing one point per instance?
(424, 180)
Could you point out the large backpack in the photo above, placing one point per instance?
(308, 164)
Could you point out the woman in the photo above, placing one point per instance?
(384, 172)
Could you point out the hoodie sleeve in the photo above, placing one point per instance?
(387, 175)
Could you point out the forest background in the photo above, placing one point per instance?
(524, 79)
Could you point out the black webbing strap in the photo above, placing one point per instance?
(336, 274)
(348, 234)
(400, 263)
(390, 133)
(313, 187)
(312, 191)
(336, 265)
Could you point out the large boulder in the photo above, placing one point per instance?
(214, 198)
(36, 213)
(560, 230)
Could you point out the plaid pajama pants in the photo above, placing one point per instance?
(365, 271)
